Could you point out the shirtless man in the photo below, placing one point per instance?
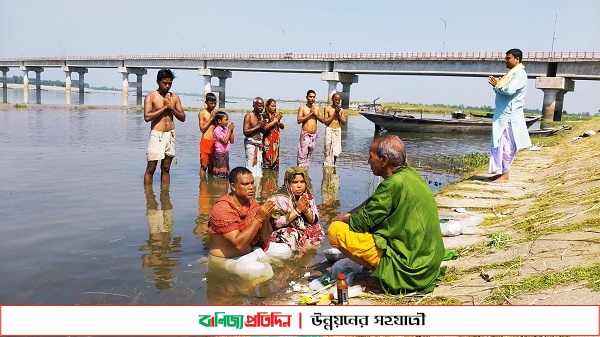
(333, 119)
(308, 114)
(254, 127)
(206, 122)
(159, 107)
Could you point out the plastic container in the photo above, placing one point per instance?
(342, 290)
(353, 291)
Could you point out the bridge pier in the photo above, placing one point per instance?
(79, 82)
(333, 78)
(139, 72)
(37, 82)
(554, 89)
(4, 70)
(208, 74)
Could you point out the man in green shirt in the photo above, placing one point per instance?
(396, 231)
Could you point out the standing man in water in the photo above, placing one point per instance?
(334, 119)
(509, 131)
(206, 122)
(308, 114)
(254, 127)
(159, 108)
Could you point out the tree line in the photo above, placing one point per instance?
(55, 83)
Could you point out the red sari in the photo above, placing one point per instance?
(271, 145)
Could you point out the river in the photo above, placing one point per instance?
(76, 225)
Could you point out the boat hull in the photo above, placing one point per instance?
(435, 125)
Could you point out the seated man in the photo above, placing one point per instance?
(396, 231)
(239, 230)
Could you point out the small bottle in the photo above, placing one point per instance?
(342, 290)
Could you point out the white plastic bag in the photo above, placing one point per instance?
(471, 221)
(315, 284)
(451, 228)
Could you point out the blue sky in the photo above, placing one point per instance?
(75, 27)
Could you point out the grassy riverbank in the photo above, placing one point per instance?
(430, 109)
(540, 239)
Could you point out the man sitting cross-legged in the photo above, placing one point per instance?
(396, 231)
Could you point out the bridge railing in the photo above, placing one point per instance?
(541, 56)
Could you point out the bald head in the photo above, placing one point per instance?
(257, 100)
(258, 104)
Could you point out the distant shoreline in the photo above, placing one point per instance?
(55, 88)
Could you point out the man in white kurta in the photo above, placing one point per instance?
(509, 131)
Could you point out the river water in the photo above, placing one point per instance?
(77, 225)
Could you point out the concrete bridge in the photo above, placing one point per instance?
(555, 73)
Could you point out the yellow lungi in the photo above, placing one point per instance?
(358, 244)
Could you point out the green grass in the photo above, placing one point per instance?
(422, 108)
(588, 276)
(461, 164)
(454, 274)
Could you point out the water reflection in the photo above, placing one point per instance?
(268, 184)
(209, 191)
(330, 187)
(160, 243)
(205, 203)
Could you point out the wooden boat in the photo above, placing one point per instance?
(402, 122)
(545, 132)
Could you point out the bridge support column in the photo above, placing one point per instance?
(37, 82)
(333, 78)
(137, 84)
(4, 70)
(554, 89)
(208, 74)
(70, 83)
(332, 89)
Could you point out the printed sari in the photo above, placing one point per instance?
(298, 234)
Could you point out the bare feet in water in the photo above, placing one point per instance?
(500, 178)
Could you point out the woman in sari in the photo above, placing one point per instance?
(272, 135)
(295, 219)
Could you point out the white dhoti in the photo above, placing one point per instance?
(254, 150)
(160, 144)
(333, 145)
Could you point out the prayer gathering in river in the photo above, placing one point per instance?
(394, 234)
